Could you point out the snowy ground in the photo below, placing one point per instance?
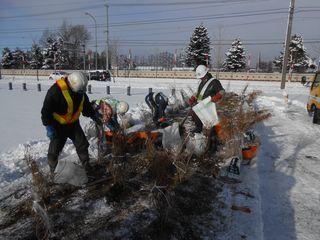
(284, 178)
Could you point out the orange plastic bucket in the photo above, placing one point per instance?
(133, 137)
(249, 152)
(218, 130)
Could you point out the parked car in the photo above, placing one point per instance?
(94, 75)
(57, 75)
(106, 76)
(99, 75)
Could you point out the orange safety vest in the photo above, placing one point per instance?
(69, 117)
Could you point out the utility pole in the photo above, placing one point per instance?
(287, 44)
(107, 41)
(84, 57)
(258, 63)
(95, 33)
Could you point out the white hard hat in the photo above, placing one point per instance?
(122, 107)
(201, 71)
(78, 81)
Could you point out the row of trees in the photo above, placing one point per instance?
(198, 52)
(65, 49)
(61, 49)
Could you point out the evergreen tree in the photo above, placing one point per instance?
(61, 55)
(36, 57)
(7, 59)
(298, 59)
(19, 59)
(49, 54)
(198, 51)
(235, 57)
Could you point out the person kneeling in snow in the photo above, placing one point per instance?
(158, 103)
(62, 106)
(108, 109)
(208, 86)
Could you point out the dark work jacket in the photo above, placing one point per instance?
(55, 102)
(213, 88)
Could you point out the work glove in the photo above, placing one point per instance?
(162, 119)
(192, 100)
(216, 97)
(50, 131)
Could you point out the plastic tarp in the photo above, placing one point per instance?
(207, 112)
(70, 172)
(197, 144)
(135, 128)
(171, 136)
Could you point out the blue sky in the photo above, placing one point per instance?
(148, 26)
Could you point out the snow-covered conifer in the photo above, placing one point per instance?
(235, 57)
(61, 55)
(48, 54)
(198, 51)
(19, 58)
(36, 57)
(7, 59)
(298, 59)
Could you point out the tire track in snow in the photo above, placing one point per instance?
(288, 179)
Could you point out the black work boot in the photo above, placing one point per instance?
(89, 171)
(52, 162)
(87, 167)
(84, 159)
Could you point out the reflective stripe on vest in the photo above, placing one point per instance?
(203, 90)
(69, 117)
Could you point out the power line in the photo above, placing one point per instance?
(225, 40)
(188, 28)
(175, 3)
(120, 4)
(184, 42)
(204, 17)
(46, 5)
(170, 20)
(210, 17)
(64, 10)
(124, 14)
(222, 43)
(166, 20)
(54, 12)
(223, 15)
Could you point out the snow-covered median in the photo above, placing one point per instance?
(282, 183)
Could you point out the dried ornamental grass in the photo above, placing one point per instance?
(39, 182)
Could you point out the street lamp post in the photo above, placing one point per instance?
(84, 57)
(107, 42)
(95, 29)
